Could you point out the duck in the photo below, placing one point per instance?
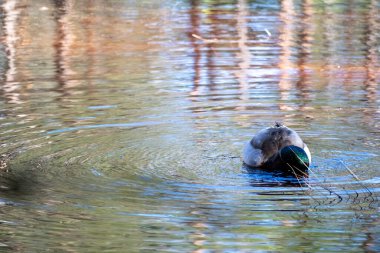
(277, 148)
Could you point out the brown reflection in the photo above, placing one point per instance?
(11, 86)
(372, 61)
(62, 43)
(202, 54)
(59, 43)
(348, 76)
(372, 238)
(303, 52)
(202, 226)
(244, 55)
(299, 71)
(211, 64)
(295, 42)
(286, 65)
(195, 23)
(372, 64)
(88, 22)
(208, 37)
(287, 16)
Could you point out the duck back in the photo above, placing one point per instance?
(267, 143)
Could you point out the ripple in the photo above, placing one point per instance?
(115, 125)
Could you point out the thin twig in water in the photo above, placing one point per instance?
(321, 185)
(294, 173)
(349, 170)
(356, 198)
(203, 39)
(305, 174)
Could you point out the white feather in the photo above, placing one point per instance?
(251, 156)
(307, 151)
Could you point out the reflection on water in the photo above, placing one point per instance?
(122, 124)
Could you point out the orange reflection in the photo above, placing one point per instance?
(286, 65)
(62, 44)
(11, 86)
(243, 55)
(372, 54)
(195, 23)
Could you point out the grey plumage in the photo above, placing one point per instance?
(267, 143)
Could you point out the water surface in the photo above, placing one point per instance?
(122, 125)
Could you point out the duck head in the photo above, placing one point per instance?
(294, 158)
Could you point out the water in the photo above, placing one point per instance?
(122, 125)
